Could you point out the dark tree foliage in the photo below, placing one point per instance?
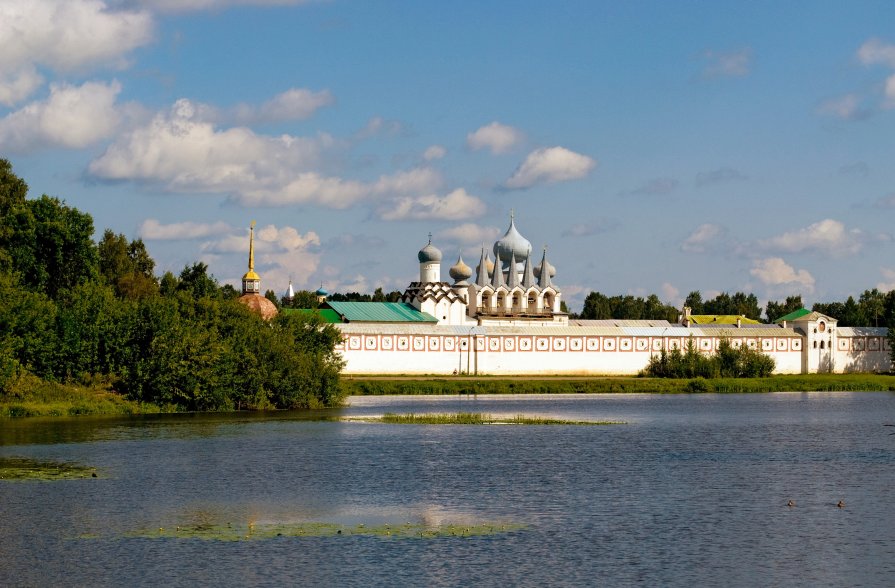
(72, 310)
(728, 362)
(196, 281)
(350, 297)
(598, 306)
(774, 309)
(739, 303)
(302, 299)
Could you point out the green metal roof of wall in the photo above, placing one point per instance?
(380, 312)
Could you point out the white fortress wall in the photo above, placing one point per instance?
(421, 349)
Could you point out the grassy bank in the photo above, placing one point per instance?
(30, 396)
(375, 386)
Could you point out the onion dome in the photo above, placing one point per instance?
(489, 266)
(512, 244)
(259, 305)
(321, 292)
(429, 253)
(460, 272)
(551, 271)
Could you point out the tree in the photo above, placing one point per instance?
(775, 310)
(49, 245)
(195, 280)
(871, 305)
(694, 302)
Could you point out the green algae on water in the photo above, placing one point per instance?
(22, 469)
(262, 531)
(466, 418)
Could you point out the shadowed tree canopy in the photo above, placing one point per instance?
(774, 309)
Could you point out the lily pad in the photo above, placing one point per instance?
(20, 468)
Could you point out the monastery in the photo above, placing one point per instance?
(508, 321)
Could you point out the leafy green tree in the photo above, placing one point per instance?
(774, 309)
(694, 302)
(871, 304)
(196, 281)
(272, 296)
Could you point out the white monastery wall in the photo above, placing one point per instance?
(380, 350)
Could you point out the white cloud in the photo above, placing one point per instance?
(670, 294)
(293, 104)
(456, 205)
(829, 237)
(733, 64)
(182, 151)
(846, 107)
(154, 230)
(63, 36)
(889, 284)
(874, 51)
(551, 164)
(434, 152)
(773, 271)
(470, 233)
(890, 92)
(281, 254)
(701, 238)
(17, 85)
(496, 137)
(72, 116)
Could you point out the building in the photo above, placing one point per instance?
(251, 285)
(508, 321)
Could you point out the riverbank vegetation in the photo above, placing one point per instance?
(87, 319)
(411, 386)
(727, 362)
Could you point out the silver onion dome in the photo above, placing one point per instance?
(512, 244)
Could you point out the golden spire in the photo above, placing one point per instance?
(252, 246)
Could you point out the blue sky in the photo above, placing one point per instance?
(655, 147)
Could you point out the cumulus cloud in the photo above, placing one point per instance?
(875, 51)
(889, 277)
(152, 229)
(293, 104)
(773, 271)
(588, 229)
(63, 36)
(732, 64)
(654, 187)
(721, 175)
(434, 152)
(183, 150)
(72, 116)
(701, 239)
(470, 233)
(670, 293)
(549, 165)
(828, 237)
(496, 137)
(281, 254)
(456, 205)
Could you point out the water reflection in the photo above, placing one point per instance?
(693, 491)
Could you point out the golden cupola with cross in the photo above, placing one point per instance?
(251, 281)
(251, 286)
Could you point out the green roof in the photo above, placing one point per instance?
(379, 312)
(326, 314)
(721, 319)
(796, 314)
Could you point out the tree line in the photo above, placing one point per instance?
(872, 309)
(72, 310)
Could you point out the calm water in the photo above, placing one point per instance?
(691, 492)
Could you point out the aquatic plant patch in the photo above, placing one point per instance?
(19, 468)
(468, 418)
(262, 531)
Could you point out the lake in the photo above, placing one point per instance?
(691, 491)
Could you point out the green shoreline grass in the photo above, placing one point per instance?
(25, 469)
(31, 396)
(408, 386)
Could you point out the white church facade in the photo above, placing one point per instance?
(508, 321)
